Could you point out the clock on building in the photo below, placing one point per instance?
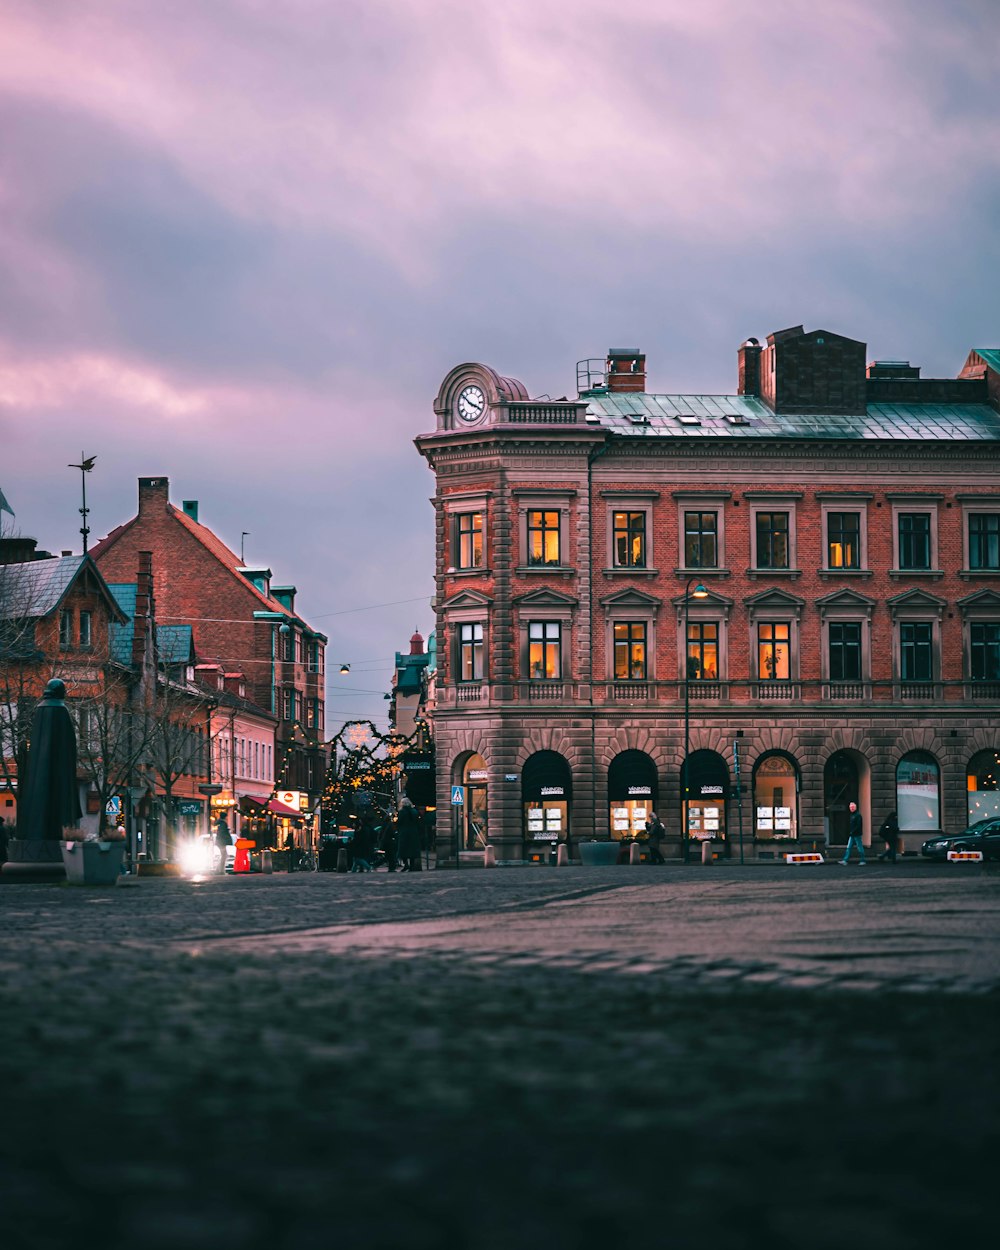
(471, 403)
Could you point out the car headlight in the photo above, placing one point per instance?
(937, 844)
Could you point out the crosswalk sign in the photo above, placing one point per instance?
(457, 795)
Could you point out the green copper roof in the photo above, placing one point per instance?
(991, 355)
(642, 415)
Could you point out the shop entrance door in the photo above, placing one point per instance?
(840, 789)
(475, 818)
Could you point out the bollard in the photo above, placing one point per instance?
(489, 857)
(342, 859)
(706, 852)
(265, 862)
(562, 856)
(634, 854)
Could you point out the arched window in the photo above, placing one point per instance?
(632, 793)
(775, 801)
(983, 786)
(918, 792)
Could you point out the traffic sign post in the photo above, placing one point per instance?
(457, 796)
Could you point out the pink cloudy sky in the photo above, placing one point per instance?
(241, 242)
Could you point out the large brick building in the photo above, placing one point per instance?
(799, 581)
(243, 625)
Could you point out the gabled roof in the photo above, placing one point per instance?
(991, 355)
(36, 589)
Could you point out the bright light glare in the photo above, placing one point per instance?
(196, 857)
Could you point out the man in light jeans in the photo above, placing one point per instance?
(855, 834)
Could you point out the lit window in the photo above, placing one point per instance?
(630, 651)
(703, 651)
(470, 647)
(544, 650)
(543, 537)
(774, 650)
(469, 532)
(843, 540)
(629, 530)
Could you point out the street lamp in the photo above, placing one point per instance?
(699, 592)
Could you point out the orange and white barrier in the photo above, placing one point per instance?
(975, 856)
(804, 857)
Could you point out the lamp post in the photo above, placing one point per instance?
(699, 592)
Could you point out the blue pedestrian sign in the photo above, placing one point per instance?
(457, 796)
(113, 807)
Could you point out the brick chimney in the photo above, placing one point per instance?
(154, 494)
(190, 507)
(143, 609)
(749, 368)
(626, 370)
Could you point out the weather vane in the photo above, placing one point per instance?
(85, 465)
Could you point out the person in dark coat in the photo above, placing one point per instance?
(655, 832)
(408, 840)
(223, 839)
(387, 843)
(855, 833)
(364, 845)
(889, 833)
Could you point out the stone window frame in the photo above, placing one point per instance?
(776, 609)
(624, 609)
(643, 501)
(464, 608)
(714, 609)
(544, 499)
(66, 629)
(465, 503)
(702, 501)
(630, 624)
(476, 643)
(777, 502)
(545, 624)
(975, 505)
(980, 608)
(846, 608)
(905, 504)
(532, 611)
(845, 501)
(916, 608)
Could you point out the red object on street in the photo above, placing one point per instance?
(242, 860)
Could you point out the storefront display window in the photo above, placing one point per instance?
(775, 806)
(704, 813)
(918, 802)
(545, 795)
(632, 793)
(984, 786)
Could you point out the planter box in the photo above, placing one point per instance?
(93, 863)
(595, 853)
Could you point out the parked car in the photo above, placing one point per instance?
(983, 836)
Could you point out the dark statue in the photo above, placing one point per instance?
(49, 799)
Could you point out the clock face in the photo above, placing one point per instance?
(471, 403)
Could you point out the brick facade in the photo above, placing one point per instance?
(814, 439)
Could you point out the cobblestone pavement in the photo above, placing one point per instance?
(533, 1057)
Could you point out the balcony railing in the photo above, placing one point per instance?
(469, 692)
(706, 691)
(987, 690)
(543, 691)
(917, 691)
(778, 691)
(846, 691)
(631, 691)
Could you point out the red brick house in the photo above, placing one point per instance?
(241, 622)
(744, 611)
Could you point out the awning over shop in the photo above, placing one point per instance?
(251, 806)
(281, 809)
(545, 775)
(632, 775)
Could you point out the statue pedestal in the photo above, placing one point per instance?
(34, 859)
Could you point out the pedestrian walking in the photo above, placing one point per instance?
(655, 832)
(387, 843)
(223, 840)
(889, 833)
(856, 831)
(364, 845)
(408, 839)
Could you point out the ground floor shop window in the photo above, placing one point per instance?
(840, 790)
(918, 799)
(983, 785)
(704, 791)
(545, 797)
(774, 799)
(631, 794)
